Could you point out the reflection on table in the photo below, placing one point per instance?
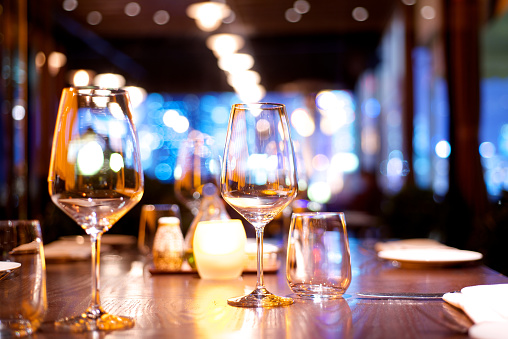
(185, 306)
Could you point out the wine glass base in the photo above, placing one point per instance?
(93, 321)
(260, 297)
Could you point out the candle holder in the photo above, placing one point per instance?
(219, 249)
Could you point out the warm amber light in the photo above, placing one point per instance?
(222, 44)
(208, 15)
(136, 94)
(56, 60)
(236, 62)
(219, 249)
(81, 78)
(109, 80)
(303, 122)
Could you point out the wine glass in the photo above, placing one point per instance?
(258, 179)
(95, 177)
(197, 164)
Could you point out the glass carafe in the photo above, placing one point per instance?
(211, 208)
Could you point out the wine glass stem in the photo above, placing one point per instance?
(96, 259)
(259, 243)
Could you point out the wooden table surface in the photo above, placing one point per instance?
(185, 306)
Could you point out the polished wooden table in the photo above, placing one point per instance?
(185, 306)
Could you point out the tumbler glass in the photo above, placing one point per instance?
(318, 257)
(22, 278)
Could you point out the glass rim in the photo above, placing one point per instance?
(309, 214)
(91, 90)
(14, 223)
(259, 105)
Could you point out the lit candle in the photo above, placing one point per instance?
(219, 249)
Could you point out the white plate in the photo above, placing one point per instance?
(431, 256)
(419, 243)
(8, 265)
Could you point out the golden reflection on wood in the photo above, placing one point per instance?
(185, 306)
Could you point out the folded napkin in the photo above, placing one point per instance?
(30, 247)
(67, 250)
(486, 306)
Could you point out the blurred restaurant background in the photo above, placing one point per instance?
(398, 108)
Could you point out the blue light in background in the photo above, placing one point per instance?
(493, 135)
(161, 125)
(371, 108)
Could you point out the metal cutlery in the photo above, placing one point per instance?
(398, 295)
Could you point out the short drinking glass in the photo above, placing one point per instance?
(22, 278)
(318, 258)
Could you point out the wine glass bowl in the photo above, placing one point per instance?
(258, 179)
(95, 177)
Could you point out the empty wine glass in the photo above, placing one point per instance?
(258, 179)
(197, 164)
(95, 177)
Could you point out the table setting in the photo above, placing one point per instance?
(318, 282)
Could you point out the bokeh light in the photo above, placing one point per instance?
(137, 95)
(443, 149)
(236, 62)
(224, 44)
(109, 80)
(56, 60)
(371, 108)
(360, 14)
(302, 122)
(428, 12)
(345, 162)
(90, 158)
(208, 15)
(161, 17)
(292, 15)
(132, 9)
(487, 149)
(320, 162)
(116, 162)
(301, 6)
(163, 172)
(319, 192)
(81, 78)
(18, 112)
(94, 18)
(370, 140)
(70, 5)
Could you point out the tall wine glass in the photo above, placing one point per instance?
(258, 179)
(95, 177)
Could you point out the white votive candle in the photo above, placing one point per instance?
(219, 249)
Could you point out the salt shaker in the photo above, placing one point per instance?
(168, 245)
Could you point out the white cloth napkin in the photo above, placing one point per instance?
(485, 305)
(67, 250)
